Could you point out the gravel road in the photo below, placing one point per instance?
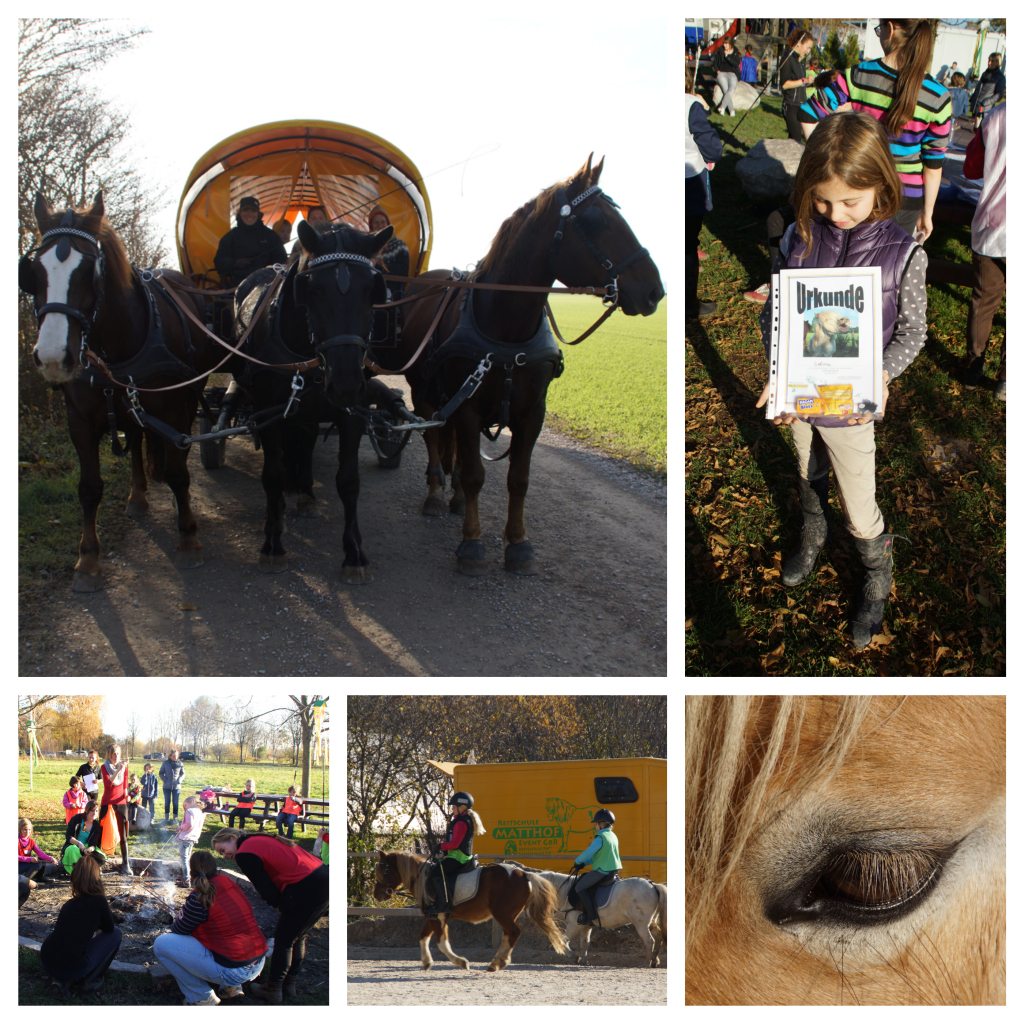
(597, 606)
(376, 977)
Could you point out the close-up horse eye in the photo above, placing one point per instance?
(863, 887)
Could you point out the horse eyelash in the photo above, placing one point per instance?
(877, 881)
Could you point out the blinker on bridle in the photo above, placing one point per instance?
(64, 232)
(567, 216)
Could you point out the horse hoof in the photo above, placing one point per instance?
(457, 506)
(86, 583)
(188, 558)
(305, 507)
(470, 556)
(273, 563)
(434, 506)
(137, 509)
(493, 967)
(519, 558)
(355, 574)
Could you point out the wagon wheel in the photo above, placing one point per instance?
(211, 453)
(386, 442)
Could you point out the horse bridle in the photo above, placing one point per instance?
(567, 217)
(64, 232)
(336, 341)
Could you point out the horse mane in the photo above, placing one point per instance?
(515, 227)
(740, 751)
(117, 267)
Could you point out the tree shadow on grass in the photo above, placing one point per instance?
(724, 648)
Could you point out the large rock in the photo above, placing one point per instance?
(768, 170)
(744, 96)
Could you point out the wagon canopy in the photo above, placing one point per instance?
(293, 165)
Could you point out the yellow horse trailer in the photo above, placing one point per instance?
(538, 812)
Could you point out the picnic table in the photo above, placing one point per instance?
(266, 807)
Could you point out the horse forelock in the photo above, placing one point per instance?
(117, 268)
(741, 753)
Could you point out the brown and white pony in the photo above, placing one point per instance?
(845, 850)
(503, 895)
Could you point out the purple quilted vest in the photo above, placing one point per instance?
(881, 243)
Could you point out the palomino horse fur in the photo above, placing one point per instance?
(503, 895)
(845, 850)
(636, 902)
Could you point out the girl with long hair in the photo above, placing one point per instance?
(84, 941)
(291, 879)
(912, 107)
(846, 194)
(214, 940)
(793, 80)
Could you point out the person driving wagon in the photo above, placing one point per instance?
(247, 246)
(603, 856)
(456, 850)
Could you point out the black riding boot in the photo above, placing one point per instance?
(876, 554)
(589, 912)
(813, 502)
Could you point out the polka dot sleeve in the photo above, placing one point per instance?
(911, 330)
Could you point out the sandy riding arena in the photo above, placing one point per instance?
(389, 977)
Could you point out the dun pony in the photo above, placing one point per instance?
(845, 850)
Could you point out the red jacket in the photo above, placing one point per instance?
(114, 794)
(284, 863)
(231, 930)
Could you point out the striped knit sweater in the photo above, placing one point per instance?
(921, 143)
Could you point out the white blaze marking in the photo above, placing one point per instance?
(54, 330)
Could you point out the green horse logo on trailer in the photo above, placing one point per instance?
(568, 828)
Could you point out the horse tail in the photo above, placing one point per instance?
(662, 911)
(541, 908)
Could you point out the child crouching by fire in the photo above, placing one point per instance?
(845, 193)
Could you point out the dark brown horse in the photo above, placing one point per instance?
(504, 893)
(104, 325)
(571, 232)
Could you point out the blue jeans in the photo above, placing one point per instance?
(286, 820)
(186, 852)
(169, 796)
(195, 969)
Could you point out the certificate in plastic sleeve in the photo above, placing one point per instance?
(826, 351)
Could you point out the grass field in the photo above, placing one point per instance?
(940, 468)
(43, 803)
(613, 394)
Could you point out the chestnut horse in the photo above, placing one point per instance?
(845, 850)
(571, 232)
(504, 893)
(102, 325)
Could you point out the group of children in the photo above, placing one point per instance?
(83, 816)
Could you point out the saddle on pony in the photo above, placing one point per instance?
(462, 885)
(597, 895)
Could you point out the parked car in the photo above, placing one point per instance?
(152, 757)
(187, 755)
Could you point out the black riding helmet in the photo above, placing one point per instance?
(461, 799)
(603, 816)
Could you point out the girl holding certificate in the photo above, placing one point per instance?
(846, 191)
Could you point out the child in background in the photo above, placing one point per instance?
(33, 861)
(246, 802)
(134, 798)
(322, 846)
(292, 809)
(846, 193)
(150, 785)
(75, 799)
(189, 831)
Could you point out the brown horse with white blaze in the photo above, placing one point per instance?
(845, 850)
(504, 893)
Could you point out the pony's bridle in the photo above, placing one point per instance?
(567, 217)
(64, 232)
(336, 341)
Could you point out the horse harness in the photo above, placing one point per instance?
(467, 340)
(153, 359)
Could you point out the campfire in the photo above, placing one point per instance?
(126, 907)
